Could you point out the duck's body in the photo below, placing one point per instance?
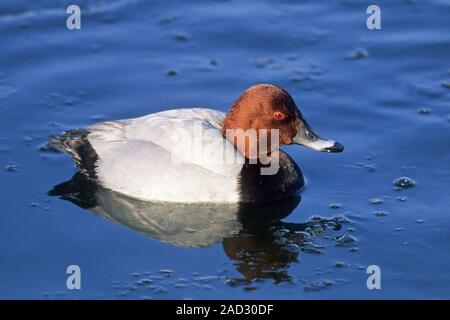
(138, 158)
(179, 155)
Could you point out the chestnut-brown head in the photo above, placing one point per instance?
(267, 107)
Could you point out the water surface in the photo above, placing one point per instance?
(383, 93)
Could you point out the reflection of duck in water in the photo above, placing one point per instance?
(259, 254)
(186, 225)
(262, 250)
(266, 249)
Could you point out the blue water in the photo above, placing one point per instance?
(361, 87)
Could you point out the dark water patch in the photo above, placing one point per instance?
(168, 19)
(182, 37)
(171, 73)
(340, 264)
(424, 111)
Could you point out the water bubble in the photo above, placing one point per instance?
(182, 37)
(235, 282)
(318, 285)
(160, 289)
(346, 239)
(445, 84)
(424, 111)
(335, 206)
(48, 147)
(98, 117)
(402, 199)
(206, 278)
(11, 167)
(420, 221)
(376, 201)
(144, 281)
(171, 73)
(340, 264)
(359, 54)
(166, 271)
(69, 102)
(404, 182)
(361, 267)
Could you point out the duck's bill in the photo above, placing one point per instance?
(308, 138)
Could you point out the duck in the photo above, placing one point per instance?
(200, 155)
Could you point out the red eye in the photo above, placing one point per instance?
(278, 115)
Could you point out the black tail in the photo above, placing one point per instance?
(76, 144)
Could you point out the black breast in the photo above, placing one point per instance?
(255, 187)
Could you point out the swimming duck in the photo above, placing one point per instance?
(198, 154)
